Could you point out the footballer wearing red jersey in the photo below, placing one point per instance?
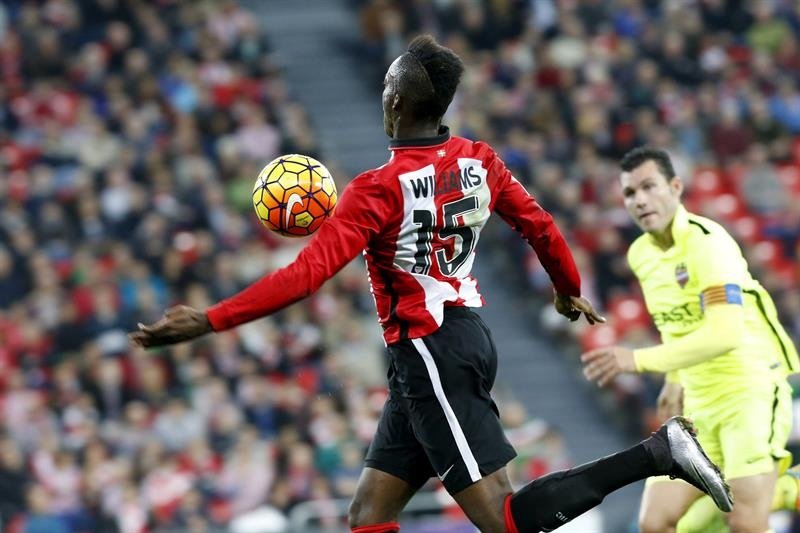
(417, 219)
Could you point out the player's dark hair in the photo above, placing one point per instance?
(643, 154)
(441, 71)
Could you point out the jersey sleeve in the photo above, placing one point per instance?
(358, 217)
(523, 213)
(720, 333)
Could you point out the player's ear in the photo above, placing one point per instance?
(397, 102)
(676, 184)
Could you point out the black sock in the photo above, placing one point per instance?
(552, 500)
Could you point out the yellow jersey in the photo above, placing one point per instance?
(703, 256)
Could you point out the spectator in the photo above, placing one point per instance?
(762, 187)
(13, 480)
(176, 426)
(13, 281)
(40, 517)
(767, 31)
(729, 138)
(132, 131)
(785, 105)
(768, 131)
(247, 473)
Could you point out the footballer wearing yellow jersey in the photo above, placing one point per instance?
(722, 348)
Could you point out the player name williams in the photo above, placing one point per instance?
(446, 181)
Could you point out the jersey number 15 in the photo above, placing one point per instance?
(450, 229)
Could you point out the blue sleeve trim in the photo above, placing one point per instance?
(733, 294)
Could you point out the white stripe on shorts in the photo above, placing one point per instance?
(452, 421)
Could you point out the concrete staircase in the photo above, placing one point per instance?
(313, 40)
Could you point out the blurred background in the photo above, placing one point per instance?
(131, 132)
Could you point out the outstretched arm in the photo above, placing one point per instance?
(336, 243)
(721, 332)
(720, 269)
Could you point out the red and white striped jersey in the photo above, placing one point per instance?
(417, 220)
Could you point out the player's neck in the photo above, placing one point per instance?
(415, 130)
(664, 239)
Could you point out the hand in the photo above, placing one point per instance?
(604, 364)
(573, 306)
(670, 401)
(180, 323)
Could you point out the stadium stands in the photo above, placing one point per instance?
(130, 134)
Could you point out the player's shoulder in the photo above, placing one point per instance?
(709, 242)
(366, 184)
(702, 230)
(703, 225)
(638, 251)
(378, 184)
(368, 177)
(378, 177)
(481, 149)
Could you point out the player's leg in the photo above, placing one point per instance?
(664, 502)
(484, 502)
(787, 491)
(553, 500)
(394, 469)
(702, 517)
(378, 500)
(753, 496)
(753, 436)
(445, 381)
(550, 501)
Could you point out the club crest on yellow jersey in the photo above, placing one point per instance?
(682, 274)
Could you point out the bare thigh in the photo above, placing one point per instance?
(379, 498)
(483, 501)
(664, 502)
(752, 496)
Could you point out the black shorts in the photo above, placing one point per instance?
(440, 418)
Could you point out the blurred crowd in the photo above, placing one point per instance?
(130, 135)
(131, 132)
(564, 88)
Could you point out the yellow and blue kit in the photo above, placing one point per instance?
(721, 340)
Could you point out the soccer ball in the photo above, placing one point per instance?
(293, 195)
